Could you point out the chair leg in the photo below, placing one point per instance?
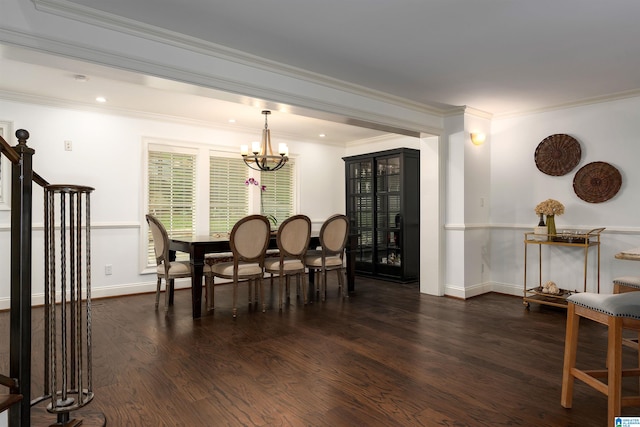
(312, 285)
(324, 285)
(570, 349)
(249, 283)
(304, 288)
(340, 282)
(264, 305)
(168, 284)
(287, 288)
(280, 292)
(235, 299)
(158, 292)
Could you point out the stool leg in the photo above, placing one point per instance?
(570, 349)
(614, 356)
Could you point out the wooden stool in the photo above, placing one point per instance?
(618, 312)
(626, 284)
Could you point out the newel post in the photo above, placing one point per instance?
(20, 334)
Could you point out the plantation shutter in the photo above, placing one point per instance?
(228, 195)
(278, 198)
(172, 194)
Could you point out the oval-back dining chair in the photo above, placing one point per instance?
(333, 239)
(293, 240)
(167, 270)
(249, 240)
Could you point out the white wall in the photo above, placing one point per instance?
(106, 155)
(606, 132)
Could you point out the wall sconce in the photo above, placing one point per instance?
(478, 138)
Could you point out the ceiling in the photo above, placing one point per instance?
(499, 56)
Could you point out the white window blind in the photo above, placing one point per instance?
(228, 195)
(278, 198)
(172, 193)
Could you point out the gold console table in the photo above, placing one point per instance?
(576, 239)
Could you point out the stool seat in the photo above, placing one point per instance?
(618, 312)
(626, 284)
(618, 305)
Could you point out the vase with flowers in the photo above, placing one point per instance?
(263, 188)
(550, 208)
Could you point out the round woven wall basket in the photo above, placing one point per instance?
(597, 182)
(558, 154)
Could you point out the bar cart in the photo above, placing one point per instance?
(572, 239)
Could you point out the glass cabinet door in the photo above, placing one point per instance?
(360, 208)
(389, 219)
(383, 205)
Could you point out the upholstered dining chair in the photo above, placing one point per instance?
(333, 239)
(293, 240)
(165, 269)
(249, 240)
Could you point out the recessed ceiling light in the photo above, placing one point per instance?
(101, 99)
(232, 120)
(322, 135)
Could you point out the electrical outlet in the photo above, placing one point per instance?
(108, 270)
(68, 146)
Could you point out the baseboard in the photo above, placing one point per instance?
(482, 288)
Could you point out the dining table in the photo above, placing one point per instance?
(197, 246)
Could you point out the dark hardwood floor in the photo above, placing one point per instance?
(388, 356)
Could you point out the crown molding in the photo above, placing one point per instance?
(465, 109)
(138, 114)
(573, 104)
(91, 16)
(102, 57)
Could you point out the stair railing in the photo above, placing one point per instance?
(67, 314)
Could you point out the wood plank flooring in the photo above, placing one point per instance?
(388, 356)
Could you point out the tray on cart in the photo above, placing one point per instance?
(536, 295)
(576, 236)
(563, 292)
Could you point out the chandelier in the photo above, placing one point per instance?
(261, 157)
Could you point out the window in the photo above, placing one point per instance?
(171, 192)
(193, 189)
(278, 198)
(228, 197)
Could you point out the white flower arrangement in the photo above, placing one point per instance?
(550, 207)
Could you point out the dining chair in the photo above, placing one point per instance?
(249, 240)
(165, 269)
(333, 239)
(293, 240)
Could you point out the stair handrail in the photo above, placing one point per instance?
(14, 157)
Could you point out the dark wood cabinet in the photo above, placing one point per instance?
(383, 206)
